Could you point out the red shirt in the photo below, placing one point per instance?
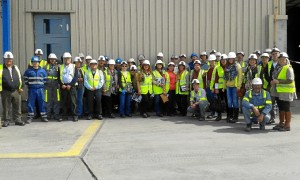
(172, 80)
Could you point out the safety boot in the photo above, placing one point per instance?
(287, 125)
(281, 121)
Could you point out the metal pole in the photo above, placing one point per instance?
(5, 25)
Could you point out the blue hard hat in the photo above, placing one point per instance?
(35, 59)
(118, 61)
(106, 57)
(194, 54)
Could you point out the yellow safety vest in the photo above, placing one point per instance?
(146, 85)
(1, 76)
(125, 79)
(47, 67)
(220, 71)
(93, 80)
(158, 89)
(285, 88)
(199, 93)
(201, 84)
(107, 79)
(182, 82)
(84, 69)
(62, 67)
(264, 96)
(265, 82)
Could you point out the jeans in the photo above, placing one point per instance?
(79, 108)
(199, 109)
(157, 104)
(125, 100)
(249, 117)
(232, 99)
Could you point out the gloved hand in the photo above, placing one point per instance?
(123, 91)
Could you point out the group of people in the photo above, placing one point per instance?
(210, 82)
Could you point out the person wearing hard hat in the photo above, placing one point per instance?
(207, 85)
(263, 71)
(160, 56)
(182, 88)
(145, 88)
(174, 59)
(197, 73)
(79, 87)
(125, 89)
(198, 101)
(52, 93)
(101, 63)
(213, 51)
(284, 90)
(118, 64)
(133, 74)
(251, 71)
(68, 77)
(39, 53)
(11, 87)
(172, 99)
(82, 57)
(86, 66)
(161, 85)
(257, 105)
(232, 84)
(35, 78)
(183, 57)
(258, 53)
(269, 51)
(130, 62)
(194, 57)
(110, 89)
(141, 59)
(203, 59)
(93, 82)
(218, 56)
(216, 86)
(240, 60)
(273, 64)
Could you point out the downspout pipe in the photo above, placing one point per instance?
(5, 25)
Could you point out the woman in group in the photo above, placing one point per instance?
(125, 89)
(159, 81)
(171, 103)
(251, 71)
(144, 84)
(133, 73)
(232, 84)
(284, 90)
(182, 88)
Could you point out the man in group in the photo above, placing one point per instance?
(256, 105)
(11, 86)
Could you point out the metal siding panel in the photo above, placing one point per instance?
(158, 29)
(34, 4)
(140, 27)
(101, 28)
(41, 4)
(146, 26)
(121, 35)
(54, 4)
(152, 29)
(108, 28)
(48, 5)
(61, 4)
(127, 30)
(251, 25)
(88, 27)
(221, 25)
(264, 14)
(196, 24)
(214, 25)
(15, 31)
(68, 5)
(94, 13)
(245, 26)
(208, 26)
(233, 26)
(227, 28)
(239, 25)
(22, 36)
(183, 26)
(177, 27)
(171, 26)
(82, 27)
(202, 22)
(133, 30)
(165, 30)
(114, 31)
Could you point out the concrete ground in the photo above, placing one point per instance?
(153, 148)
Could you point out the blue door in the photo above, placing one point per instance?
(52, 34)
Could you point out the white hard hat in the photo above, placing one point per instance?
(268, 50)
(252, 56)
(181, 63)
(38, 51)
(195, 81)
(265, 55)
(218, 54)
(52, 56)
(77, 59)
(88, 57)
(141, 57)
(160, 54)
(283, 55)
(231, 55)
(257, 81)
(111, 61)
(224, 56)
(67, 55)
(212, 57)
(171, 63)
(93, 61)
(8, 55)
(203, 53)
(241, 52)
(213, 51)
(101, 58)
(147, 62)
(182, 55)
(159, 62)
(133, 67)
(123, 62)
(275, 49)
(131, 60)
(197, 62)
(81, 55)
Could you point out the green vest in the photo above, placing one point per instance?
(182, 82)
(125, 79)
(199, 94)
(1, 74)
(221, 77)
(265, 82)
(201, 84)
(47, 68)
(158, 89)
(285, 88)
(146, 85)
(264, 96)
(93, 80)
(107, 79)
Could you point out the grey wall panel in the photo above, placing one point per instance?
(126, 28)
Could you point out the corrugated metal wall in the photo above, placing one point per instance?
(125, 28)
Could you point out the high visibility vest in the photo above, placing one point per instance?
(1, 76)
(47, 68)
(285, 88)
(125, 79)
(201, 84)
(57, 95)
(62, 68)
(264, 97)
(199, 95)
(107, 79)
(182, 82)
(84, 68)
(265, 82)
(95, 79)
(220, 71)
(146, 85)
(42, 63)
(157, 89)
